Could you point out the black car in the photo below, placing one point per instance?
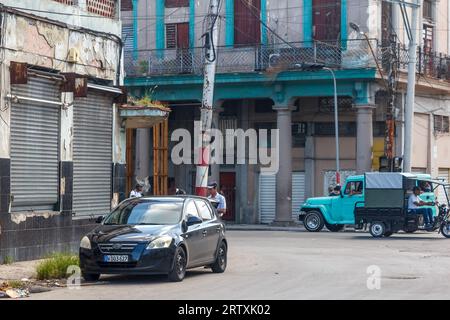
(156, 235)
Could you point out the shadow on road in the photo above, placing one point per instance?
(127, 280)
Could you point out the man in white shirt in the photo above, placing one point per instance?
(417, 205)
(214, 195)
(136, 192)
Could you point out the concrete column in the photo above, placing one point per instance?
(364, 138)
(432, 167)
(283, 214)
(310, 164)
(5, 156)
(66, 153)
(119, 159)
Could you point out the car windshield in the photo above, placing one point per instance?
(146, 212)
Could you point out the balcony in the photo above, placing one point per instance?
(259, 58)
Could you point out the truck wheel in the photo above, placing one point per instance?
(445, 229)
(314, 221)
(334, 227)
(377, 229)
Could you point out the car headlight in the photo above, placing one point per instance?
(160, 243)
(85, 243)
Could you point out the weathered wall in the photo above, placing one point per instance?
(48, 45)
(72, 15)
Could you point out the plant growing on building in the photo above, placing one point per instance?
(143, 67)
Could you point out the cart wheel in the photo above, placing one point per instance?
(314, 221)
(445, 229)
(377, 229)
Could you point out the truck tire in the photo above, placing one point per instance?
(377, 229)
(314, 221)
(335, 227)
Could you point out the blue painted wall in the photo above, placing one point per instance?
(263, 19)
(307, 20)
(160, 32)
(135, 28)
(192, 23)
(229, 23)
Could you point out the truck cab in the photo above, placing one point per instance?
(334, 212)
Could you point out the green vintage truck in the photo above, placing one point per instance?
(336, 212)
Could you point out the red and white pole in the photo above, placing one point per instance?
(211, 39)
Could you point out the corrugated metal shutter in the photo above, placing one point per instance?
(34, 146)
(92, 154)
(443, 174)
(267, 196)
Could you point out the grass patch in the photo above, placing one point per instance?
(55, 267)
(16, 284)
(8, 260)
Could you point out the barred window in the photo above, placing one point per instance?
(327, 129)
(441, 124)
(106, 8)
(68, 2)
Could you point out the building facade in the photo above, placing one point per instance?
(62, 145)
(261, 85)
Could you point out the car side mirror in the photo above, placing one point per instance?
(193, 220)
(342, 195)
(184, 226)
(99, 219)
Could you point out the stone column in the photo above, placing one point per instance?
(310, 171)
(66, 153)
(283, 214)
(364, 138)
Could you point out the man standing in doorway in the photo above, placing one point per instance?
(220, 199)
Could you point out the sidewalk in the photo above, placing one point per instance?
(18, 270)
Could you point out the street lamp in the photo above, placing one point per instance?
(313, 67)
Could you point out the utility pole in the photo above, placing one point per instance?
(211, 38)
(411, 27)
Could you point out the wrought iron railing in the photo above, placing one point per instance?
(278, 57)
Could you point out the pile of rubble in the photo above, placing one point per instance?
(23, 288)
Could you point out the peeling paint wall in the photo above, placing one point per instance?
(48, 45)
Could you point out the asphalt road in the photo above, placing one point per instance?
(299, 265)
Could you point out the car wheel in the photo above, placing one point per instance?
(178, 271)
(335, 227)
(314, 221)
(377, 229)
(91, 277)
(220, 264)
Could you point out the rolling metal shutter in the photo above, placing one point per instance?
(267, 196)
(34, 146)
(92, 154)
(443, 174)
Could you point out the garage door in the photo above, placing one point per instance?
(92, 154)
(267, 196)
(444, 175)
(34, 145)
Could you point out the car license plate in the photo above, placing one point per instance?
(115, 258)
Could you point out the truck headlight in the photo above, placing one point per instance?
(85, 243)
(160, 243)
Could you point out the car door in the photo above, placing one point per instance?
(211, 230)
(352, 194)
(194, 236)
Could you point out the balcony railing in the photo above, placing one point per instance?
(356, 54)
(276, 58)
